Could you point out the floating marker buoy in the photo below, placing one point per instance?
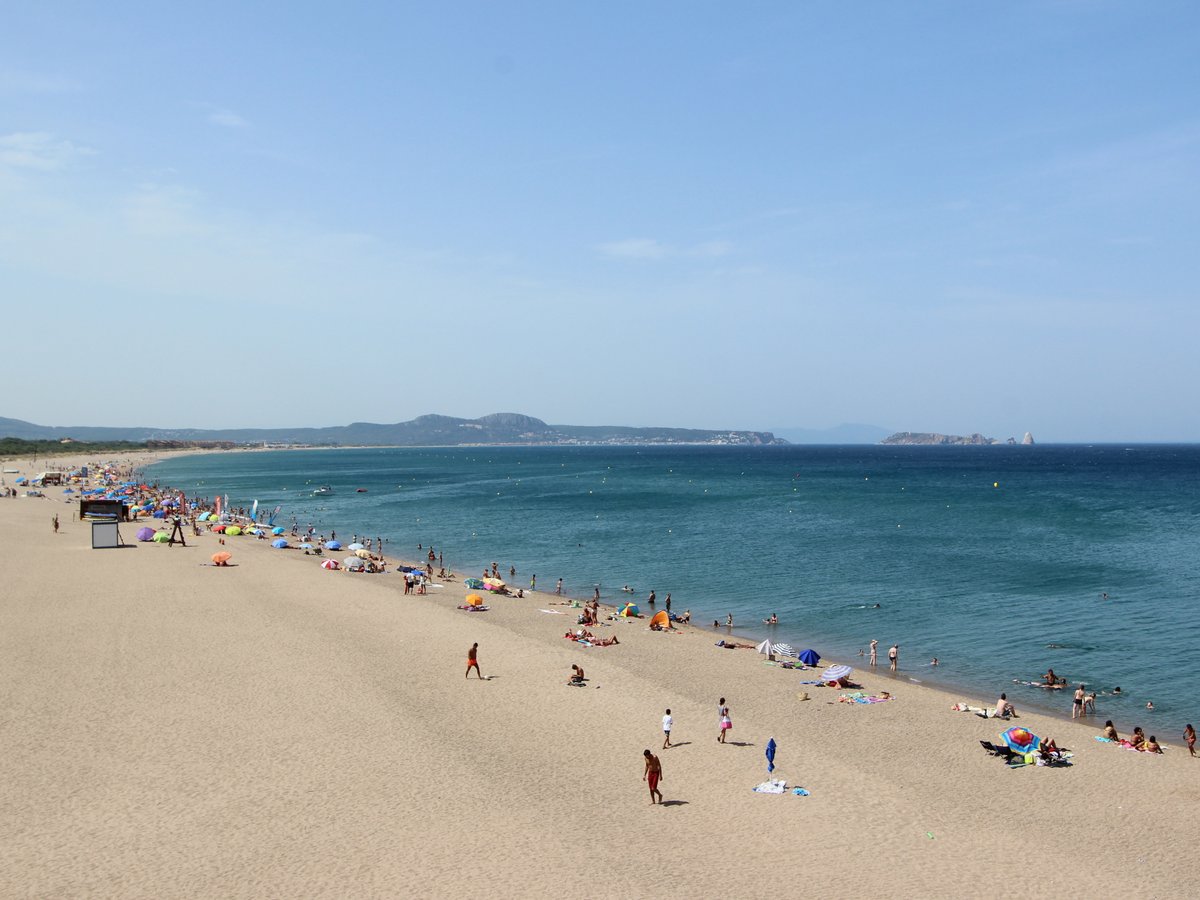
(995, 484)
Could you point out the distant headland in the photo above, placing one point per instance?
(932, 438)
(423, 431)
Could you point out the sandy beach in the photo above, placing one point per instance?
(175, 729)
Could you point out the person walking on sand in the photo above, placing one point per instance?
(874, 650)
(55, 523)
(1189, 736)
(723, 720)
(473, 661)
(652, 776)
(667, 723)
(893, 656)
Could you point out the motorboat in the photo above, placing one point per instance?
(323, 489)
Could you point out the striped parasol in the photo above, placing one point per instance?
(783, 650)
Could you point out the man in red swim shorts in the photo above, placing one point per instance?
(473, 661)
(652, 776)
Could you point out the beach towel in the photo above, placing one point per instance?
(552, 612)
(800, 792)
(774, 786)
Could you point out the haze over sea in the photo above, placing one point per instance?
(993, 559)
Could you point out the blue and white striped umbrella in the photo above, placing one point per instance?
(783, 650)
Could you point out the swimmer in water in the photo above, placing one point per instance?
(1150, 704)
(774, 620)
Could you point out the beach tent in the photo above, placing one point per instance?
(629, 610)
(810, 657)
(145, 534)
(660, 619)
(474, 600)
(161, 537)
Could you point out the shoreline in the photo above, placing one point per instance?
(952, 689)
(273, 727)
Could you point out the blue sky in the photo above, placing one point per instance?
(926, 216)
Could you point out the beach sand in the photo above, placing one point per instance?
(173, 729)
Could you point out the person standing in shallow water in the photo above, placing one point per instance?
(893, 656)
(874, 650)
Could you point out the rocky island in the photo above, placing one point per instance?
(928, 438)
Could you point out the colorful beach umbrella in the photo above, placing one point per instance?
(474, 584)
(629, 610)
(1021, 740)
(770, 755)
(836, 673)
(219, 529)
(330, 564)
(145, 534)
(810, 657)
(235, 530)
(474, 600)
(221, 558)
(362, 554)
(279, 543)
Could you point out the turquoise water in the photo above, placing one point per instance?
(980, 556)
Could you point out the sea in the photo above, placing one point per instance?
(1000, 561)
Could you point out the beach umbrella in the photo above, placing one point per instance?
(770, 756)
(492, 585)
(629, 610)
(783, 650)
(355, 562)
(836, 673)
(159, 514)
(277, 530)
(333, 545)
(222, 557)
(161, 537)
(330, 564)
(219, 529)
(1021, 740)
(145, 534)
(362, 554)
(257, 531)
(203, 517)
(765, 647)
(235, 530)
(356, 546)
(306, 546)
(279, 543)
(474, 600)
(810, 657)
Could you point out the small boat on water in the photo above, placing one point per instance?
(323, 489)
